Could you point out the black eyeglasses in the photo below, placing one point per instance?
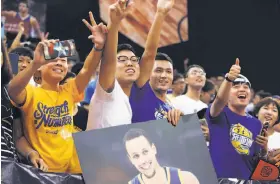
(124, 59)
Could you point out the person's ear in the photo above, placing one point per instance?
(186, 80)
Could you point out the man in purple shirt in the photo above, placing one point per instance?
(150, 102)
(234, 134)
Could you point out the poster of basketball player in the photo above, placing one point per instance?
(32, 13)
(150, 152)
(138, 22)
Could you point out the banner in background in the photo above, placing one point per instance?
(127, 153)
(137, 23)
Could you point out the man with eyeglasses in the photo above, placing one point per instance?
(190, 103)
(120, 69)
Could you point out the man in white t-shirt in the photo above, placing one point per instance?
(190, 103)
(120, 69)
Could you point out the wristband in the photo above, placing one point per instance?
(27, 157)
(96, 49)
(228, 79)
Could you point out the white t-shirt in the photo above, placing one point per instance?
(274, 141)
(188, 105)
(109, 109)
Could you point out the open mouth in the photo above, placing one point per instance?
(130, 70)
(268, 118)
(242, 96)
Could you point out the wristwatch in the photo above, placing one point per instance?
(228, 79)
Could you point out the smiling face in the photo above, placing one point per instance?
(127, 67)
(54, 71)
(240, 95)
(268, 113)
(196, 78)
(162, 76)
(142, 155)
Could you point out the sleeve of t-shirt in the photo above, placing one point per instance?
(213, 120)
(71, 86)
(29, 98)
(102, 95)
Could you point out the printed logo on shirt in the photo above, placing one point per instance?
(241, 139)
(160, 113)
(52, 116)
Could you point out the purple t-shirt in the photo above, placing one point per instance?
(145, 105)
(232, 143)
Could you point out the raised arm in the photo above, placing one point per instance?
(117, 12)
(98, 37)
(16, 87)
(148, 57)
(223, 93)
(8, 13)
(16, 42)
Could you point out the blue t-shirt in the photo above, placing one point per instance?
(232, 143)
(90, 90)
(145, 105)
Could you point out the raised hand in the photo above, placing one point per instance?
(234, 71)
(164, 6)
(119, 10)
(98, 32)
(21, 27)
(44, 36)
(39, 58)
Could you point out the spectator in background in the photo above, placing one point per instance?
(234, 135)
(30, 23)
(91, 88)
(208, 92)
(178, 86)
(25, 58)
(219, 81)
(190, 103)
(258, 96)
(52, 137)
(268, 111)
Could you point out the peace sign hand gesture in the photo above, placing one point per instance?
(98, 32)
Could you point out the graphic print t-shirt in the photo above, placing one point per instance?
(232, 143)
(48, 123)
(145, 105)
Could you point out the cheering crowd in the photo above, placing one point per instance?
(47, 100)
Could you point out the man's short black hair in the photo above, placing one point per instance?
(193, 66)
(163, 56)
(263, 94)
(24, 2)
(177, 76)
(134, 133)
(125, 46)
(209, 86)
(23, 51)
(264, 102)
